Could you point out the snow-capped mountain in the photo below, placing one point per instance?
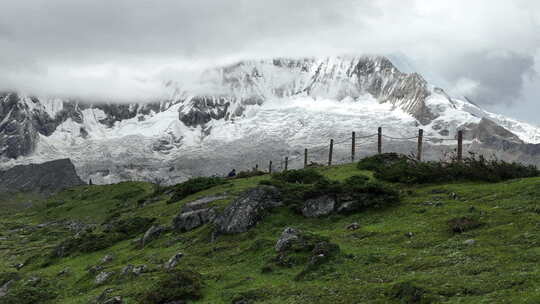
(247, 114)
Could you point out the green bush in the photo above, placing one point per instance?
(463, 224)
(192, 186)
(29, 292)
(252, 173)
(357, 191)
(304, 176)
(114, 232)
(402, 169)
(176, 285)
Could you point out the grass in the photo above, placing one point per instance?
(396, 254)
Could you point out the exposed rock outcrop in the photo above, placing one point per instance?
(45, 178)
(247, 210)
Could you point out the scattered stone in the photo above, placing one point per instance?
(409, 234)
(320, 206)
(18, 266)
(173, 261)
(454, 196)
(138, 270)
(114, 300)
(151, 234)
(469, 242)
(5, 288)
(353, 226)
(248, 209)
(64, 272)
(287, 237)
(190, 220)
(127, 270)
(107, 259)
(103, 277)
(33, 281)
(95, 269)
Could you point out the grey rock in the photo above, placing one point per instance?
(190, 220)
(469, 242)
(353, 226)
(114, 300)
(347, 207)
(288, 236)
(4, 289)
(320, 206)
(64, 272)
(107, 259)
(127, 270)
(46, 178)
(151, 234)
(173, 261)
(247, 210)
(103, 277)
(138, 270)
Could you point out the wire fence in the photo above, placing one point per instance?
(356, 142)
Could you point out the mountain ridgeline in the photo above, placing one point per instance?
(242, 109)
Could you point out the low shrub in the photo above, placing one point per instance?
(409, 293)
(174, 286)
(393, 167)
(304, 176)
(29, 292)
(192, 186)
(114, 232)
(463, 224)
(252, 173)
(358, 192)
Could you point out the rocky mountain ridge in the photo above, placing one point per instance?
(243, 114)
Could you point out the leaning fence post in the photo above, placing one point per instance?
(379, 140)
(305, 158)
(286, 163)
(270, 167)
(460, 145)
(353, 146)
(330, 152)
(420, 137)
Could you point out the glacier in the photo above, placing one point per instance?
(248, 114)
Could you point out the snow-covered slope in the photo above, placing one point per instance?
(238, 115)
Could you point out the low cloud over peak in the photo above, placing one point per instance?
(125, 50)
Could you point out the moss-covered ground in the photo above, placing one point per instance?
(406, 253)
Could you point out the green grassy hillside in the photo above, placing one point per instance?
(404, 253)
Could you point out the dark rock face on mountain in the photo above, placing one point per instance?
(45, 178)
(489, 132)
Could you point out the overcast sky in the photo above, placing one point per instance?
(488, 50)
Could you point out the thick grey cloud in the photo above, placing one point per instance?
(124, 49)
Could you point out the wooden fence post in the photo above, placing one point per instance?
(270, 167)
(420, 137)
(286, 163)
(330, 152)
(379, 140)
(305, 158)
(353, 146)
(460, 145)
(256, 167)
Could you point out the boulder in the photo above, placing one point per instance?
(190, 220)
(173, 261)
(5, 288)
(320, 206)
(353, 226)
(107, 259)
(103, 277)
(138, 270)
(247, 210)
(288, 236)
(151, 234)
